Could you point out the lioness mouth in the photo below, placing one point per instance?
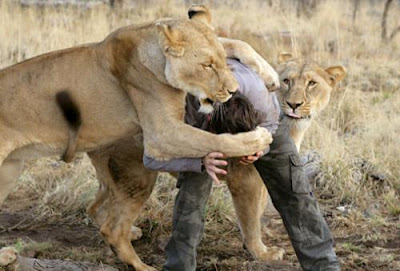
(208, 100)
(297, 117)
(293, 115)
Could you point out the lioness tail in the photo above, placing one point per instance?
(73, 117)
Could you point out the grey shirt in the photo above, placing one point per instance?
(251, 86)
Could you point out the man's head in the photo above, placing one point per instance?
(234, 116)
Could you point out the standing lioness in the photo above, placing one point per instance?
(130, 89)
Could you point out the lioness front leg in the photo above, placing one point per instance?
(247, 55)
(187, 141)
(250, 198)
(166, 136)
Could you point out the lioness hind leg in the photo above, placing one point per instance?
(250, 198)
(117, 232)
(101, 196)
(92, 210)
(10, 170)
(125, 186)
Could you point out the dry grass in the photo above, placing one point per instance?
(357, 135)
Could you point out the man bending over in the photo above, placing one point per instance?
(279, 167)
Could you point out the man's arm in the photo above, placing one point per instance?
(173, 165)
(210, 164)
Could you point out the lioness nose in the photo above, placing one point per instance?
(231, 91)
(294, 105)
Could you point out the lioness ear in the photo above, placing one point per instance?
(337, 73)
(284, 57)
(170, 40)
(200, 13)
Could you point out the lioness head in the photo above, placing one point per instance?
(305, 87)
(196, 61)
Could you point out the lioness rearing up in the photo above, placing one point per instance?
(130, 89)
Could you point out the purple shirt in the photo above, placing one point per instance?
(251, 86)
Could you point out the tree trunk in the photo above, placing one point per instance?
(306, 7)
(384, 20)
(355, 10)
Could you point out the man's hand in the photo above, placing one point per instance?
(211, 162)
(248, 160)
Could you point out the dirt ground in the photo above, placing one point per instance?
(220, 249)
(357, 135)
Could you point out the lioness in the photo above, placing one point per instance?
(305, 87)
(305, 90)
(130, 89)
(244, 182)
(248, 191)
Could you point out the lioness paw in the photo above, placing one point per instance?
(8, 256)
(270, 78)
(264, 70)
(276, 253)
(269, 254)
(144, 267)
(265, 135)
(136, 233)
(256, 140)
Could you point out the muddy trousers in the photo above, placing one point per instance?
(188, 221)
(282, 172)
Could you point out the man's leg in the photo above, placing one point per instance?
(188, 221)
(283, 174)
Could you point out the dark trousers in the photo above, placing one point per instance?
(283, 174)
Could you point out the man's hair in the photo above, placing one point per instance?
(237, 115)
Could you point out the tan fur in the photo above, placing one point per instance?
(239, 49)
(250, 198)
(8, 259)
(247, 188)
(201, 13)
(300, 96)
(247, 55)
(245, 184)
(70, 151)
(130, 89)
(73, 118)
(248, 191)
(115, 170)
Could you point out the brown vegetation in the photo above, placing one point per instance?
(356, 136)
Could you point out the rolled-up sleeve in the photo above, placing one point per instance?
(173, 165)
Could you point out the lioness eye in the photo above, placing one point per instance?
(312, 83)
(207, 66)
(286, 81)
